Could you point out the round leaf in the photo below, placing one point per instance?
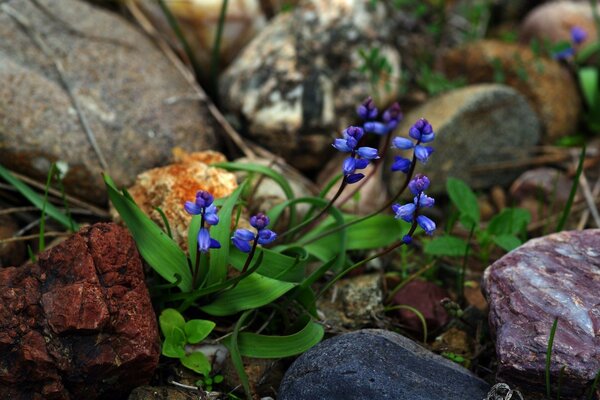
(174, 344)
(197, 362)
(169, 319)
(197, 330)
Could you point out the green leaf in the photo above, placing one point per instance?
(464, 200)
(588, 81)
(274, 265)
(197, 362)
(445, 246)
(174, 344)
(263, 346)
(169, 319)
(159, 251)
(509, 221)
(37, 200)
(507, 242)
(196, 330)
(252, 292)
(222, 232)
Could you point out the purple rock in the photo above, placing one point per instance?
(556, 276)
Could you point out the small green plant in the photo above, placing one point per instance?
(376, 67)
(549, 356)
(207, 382)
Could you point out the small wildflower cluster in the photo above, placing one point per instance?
(408, 212)
(578, 36)
(203, 206)
(420, 132)
(361, 156)
(242, 237)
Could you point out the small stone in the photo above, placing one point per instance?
(377, 364)
(476, 127)
(169, 187)
(298, 81)
(164, 393)
(548, 87)
(555, 276)
(353, 302)
(11, 253)
(138, 106)
(426, 298)
(78, 323)
(498, 196)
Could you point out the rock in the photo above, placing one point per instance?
(164, 393)
(476, 127)
(199, 20)
(550, 90)
(542, 191)
(134, 99)
(169, 187)
(11, 253)
(555, 276)
(455, 342)
(426, 297)
(78, 323)
(553, 22)
(377, 364)
(299, 79)
(353, 302)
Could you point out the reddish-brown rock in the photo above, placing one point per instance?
(78, 324)
(556, 276)
(426, 297)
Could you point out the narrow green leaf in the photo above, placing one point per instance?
(252, 292)
(589, 79)
(169, 319)
(196, 330)
(507, 241)
(159, 251)
(263, 346)
(236, 357)
(197, 362)
(464, 200)
(222, 233)
(574, 186)
(36, 199)
(445, 245)
(274, 265)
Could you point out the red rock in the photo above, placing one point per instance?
(556, 276)
(425, 297)
(78, 324)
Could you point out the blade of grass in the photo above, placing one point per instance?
(236, 357)
(414, 311)
(42, 239)
(549, 355)
(567, 210)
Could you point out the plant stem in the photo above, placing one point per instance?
(567, 210)
(549, 355)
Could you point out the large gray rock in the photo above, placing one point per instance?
(137, 104)
(556, 276)
(377, 364)
(476, 127)
(298, 81)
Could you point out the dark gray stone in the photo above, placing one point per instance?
(476, 127)
(553, 276)
(377, 364)
(136, 102)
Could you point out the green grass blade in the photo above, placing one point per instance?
(263, 346)
(549, 355)
(36, 199)
(252, 292)
(418, 313)
(42, 239)
(567, 210)
(159, 251)
(236, 358)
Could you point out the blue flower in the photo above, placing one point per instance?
(205, 242)
(419, 184)
(426, 224)
(424, 201)
(405, 212)
(422, 131)
(359, 158)
(367, 153)
(564, 53)
(578, 34)
(378, 128)
(203, 206)
(353, 178)
(401, 164)
(423, 152)
(242, 237)
(392, 116)
(367, 109)
(402, 143)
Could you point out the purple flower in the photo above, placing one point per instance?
(401, 164)
(367, 153)
(426, 224)
(242, 237)
(402, 143)
(578, 34)
(349, 165)
(407, 239)
(205, 242)
(354, 132)
(418, 184)
(392, 116)
(564, 54)
(378, 128)
(423, 152)
(405, 212)
(424, 200)
(421, 131)
(203, 206)
(344, 145)
(353, 178)
(367, 109)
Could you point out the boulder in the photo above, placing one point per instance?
(555, 276)
(77, 324)
(478, 128)
(135, 102)
(298, 81)
(377, 364)
(548, 87)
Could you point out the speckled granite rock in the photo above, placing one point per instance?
(476, 127)
(377, 364)
(552, 276)
(135, 101)
(549, 88)
(298, 82)
(169, 187)
(78, 324)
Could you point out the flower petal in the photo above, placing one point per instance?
(242, 245)
(244, 234)
(191, 208)
(367, 152)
